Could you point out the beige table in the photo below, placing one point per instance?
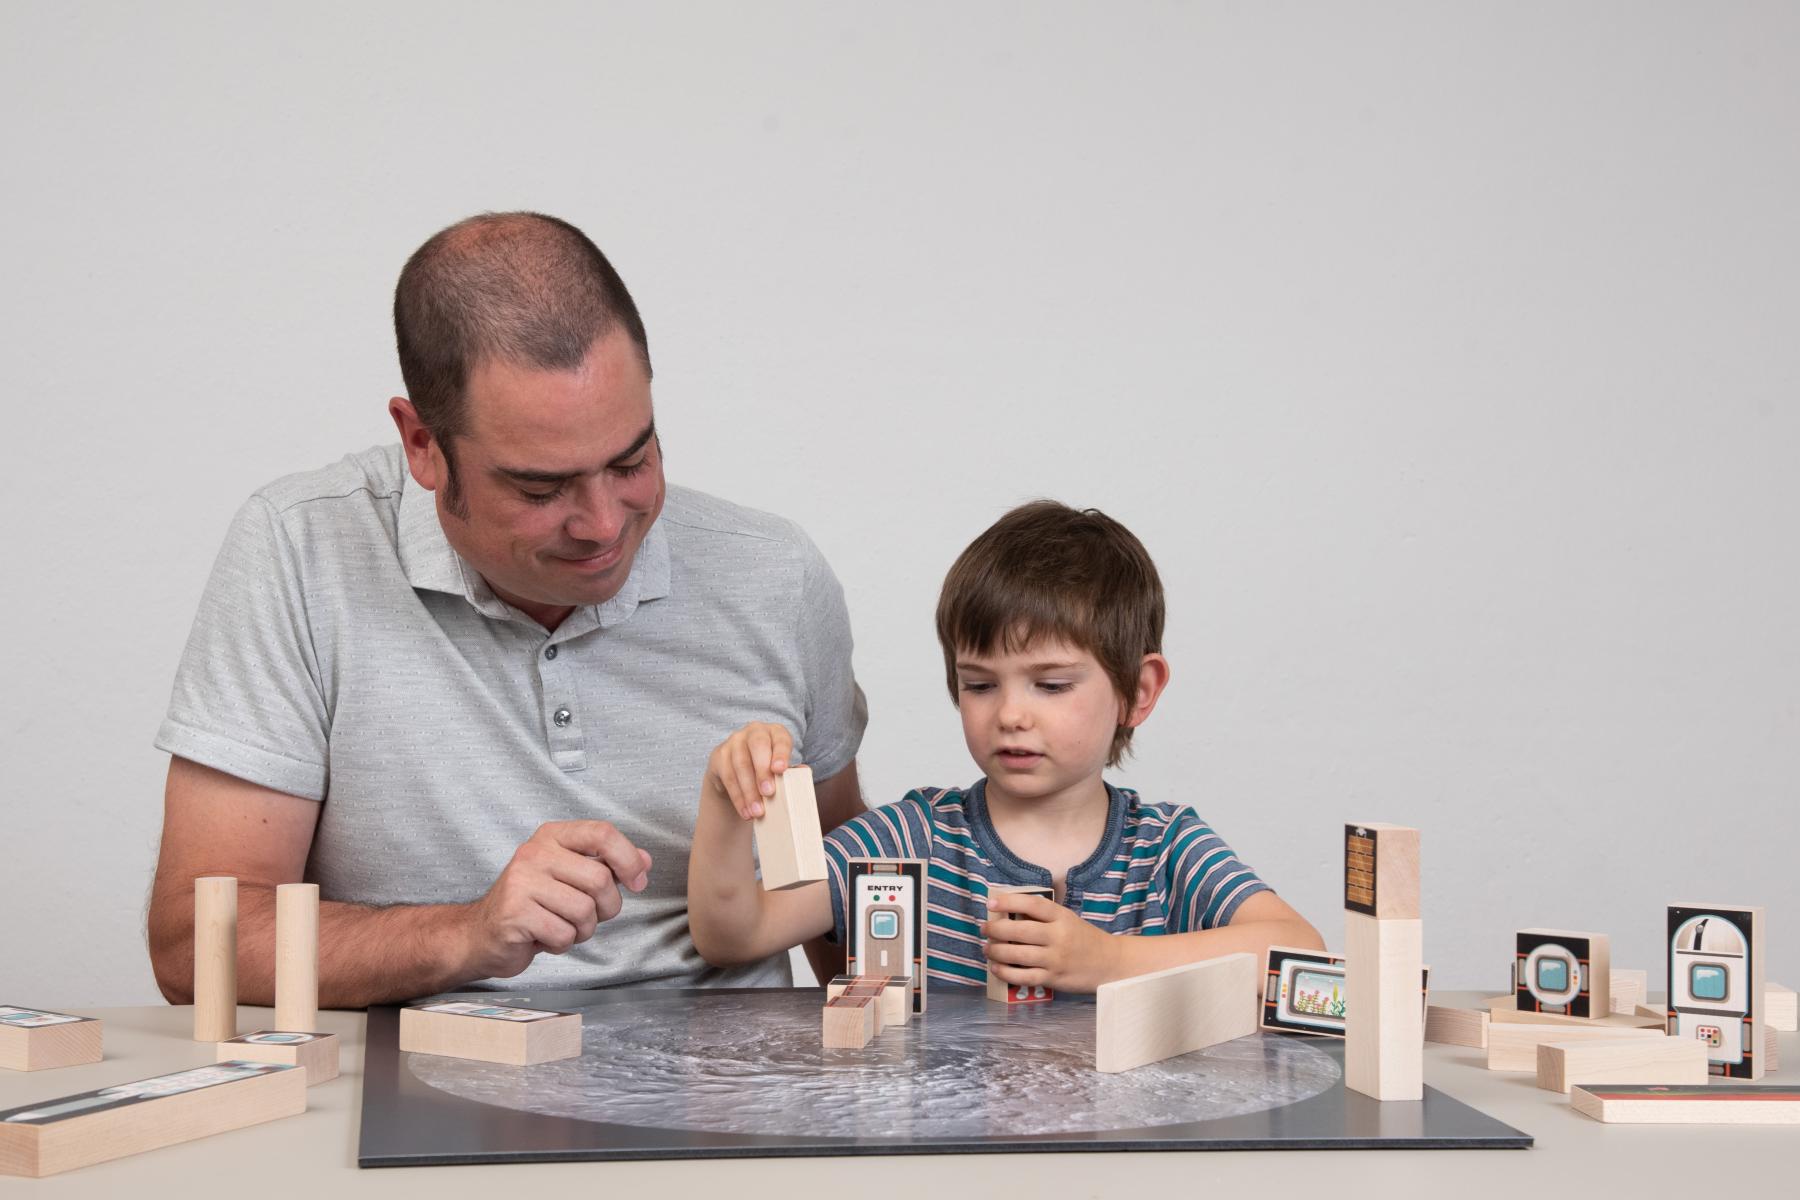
(314, 1155)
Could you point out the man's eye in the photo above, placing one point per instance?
(627, 470)
(541, 497)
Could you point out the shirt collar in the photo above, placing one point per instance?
(432, 564)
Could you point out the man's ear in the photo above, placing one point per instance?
(1153, 677)
(423, 457)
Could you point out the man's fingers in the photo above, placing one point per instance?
(576, 908)
(598, 839)
(548, 930)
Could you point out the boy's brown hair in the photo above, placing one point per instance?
(1045, 570)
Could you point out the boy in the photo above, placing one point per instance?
(1051, 625)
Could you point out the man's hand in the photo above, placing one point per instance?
(743, 767)
(1046, 944)
(561, 883)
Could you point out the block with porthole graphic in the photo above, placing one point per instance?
(1716, 985)
(1563, 972)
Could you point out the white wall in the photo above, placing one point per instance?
(1443, 355)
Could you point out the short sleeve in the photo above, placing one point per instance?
(248, 698)
(836, 712)
(899, 830)
(1207, 881)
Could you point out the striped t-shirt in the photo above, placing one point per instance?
(1159, 869)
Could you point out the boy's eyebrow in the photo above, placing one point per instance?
(533, 475)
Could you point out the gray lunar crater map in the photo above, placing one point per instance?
(967, 1068)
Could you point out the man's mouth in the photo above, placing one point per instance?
(598, 561)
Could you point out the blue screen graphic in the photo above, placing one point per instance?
(1707, 982)
(1553, 974)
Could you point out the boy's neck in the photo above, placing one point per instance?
(1055, 831)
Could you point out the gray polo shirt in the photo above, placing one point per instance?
(344, 653)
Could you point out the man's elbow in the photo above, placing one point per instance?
(171, 945)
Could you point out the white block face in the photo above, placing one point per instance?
(1709, 982)
(884, 925)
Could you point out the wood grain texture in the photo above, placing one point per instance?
(47, 1047)
(789, 847)
(1562, 1065)
(1456, 1026)
(297, 957)
(1780, 1009)
(215, 958)
(1384, 1030)
(1716, 1104)
(1148, 1018)
(317, 1057)
(1514, 1047)
(489, 1039)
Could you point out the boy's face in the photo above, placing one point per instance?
(1038, 721)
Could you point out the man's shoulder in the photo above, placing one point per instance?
(716, 532)
(369, 479)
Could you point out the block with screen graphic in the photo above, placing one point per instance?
(1303, 992)
(1716, 987)
(1562, 972)
(1018, 993)
(494, 1033)
(885, 920)
(316, 1053)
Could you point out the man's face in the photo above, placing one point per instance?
(561, 477)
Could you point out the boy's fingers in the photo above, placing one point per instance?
(1015, 954)
(743, 776)
(1015, 932)
(762, 756)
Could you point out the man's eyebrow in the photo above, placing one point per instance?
(533, 475)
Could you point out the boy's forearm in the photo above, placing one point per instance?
(366, 955)
(1136, 955)
(725, 901)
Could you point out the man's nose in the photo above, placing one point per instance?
(597, 516)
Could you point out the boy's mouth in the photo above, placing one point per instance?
(1011, 756)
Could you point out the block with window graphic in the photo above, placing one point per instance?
(1562, 972)
(1716, 985)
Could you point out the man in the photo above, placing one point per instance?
(468, 684)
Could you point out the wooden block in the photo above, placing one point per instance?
(215, 958)
(893, 997)
(884, 912)
(33, 1039)
(1563, 971)
(1771, 1050)
(1561, 1065)
(1503, 1012)
(1716, 985)
(1779, 1008)
(89, 1127)
(490, 1033)
(1630, 988)
(850, 1021)
(1701, 1104)
(789, 846)
(315, 1053)
(297, 957)
(1007, 993)
(1148, 1018)
(1456, 1026)
(1381, 871)
(1514, 1047)
(1384, 1032)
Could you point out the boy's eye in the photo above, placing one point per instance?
(975, 685)
(1055, 685)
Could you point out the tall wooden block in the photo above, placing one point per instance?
(297, 957)
(1384, 1031)
(1514, 1047)
(789, 846)
(1704, 1104)
(314, 1053)
(1381, 871)
(215, 958)
(32, 1039)
(1148, 1018)
(491, 1033)
(1779, 1008)
(89, 1127)
(1716, 988)
(1562, 1065)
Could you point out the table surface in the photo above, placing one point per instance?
(314, 1155)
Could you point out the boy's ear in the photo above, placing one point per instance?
(1153, 677)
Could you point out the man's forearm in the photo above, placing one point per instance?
(366, 955)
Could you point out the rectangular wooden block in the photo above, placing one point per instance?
(1384, 1033)
(1007, 993)
(1702, 1104)
(1630, 989)
(1381, 871)
(1514, 1047)
(314, 1053)
(89, 1127)
(789, 847)
(884, 914)
(1563, 971)
(850, 1021)
(1716, 983)
(1456, 1027)
(518, 1037)
(1779, 1008)
(1503, 1010)
(34, 1039)
(1151, 1017)
(1561, 1065)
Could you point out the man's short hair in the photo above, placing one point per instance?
(1046, 570)
(516, 287)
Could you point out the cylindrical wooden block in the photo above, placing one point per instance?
(297, 957)
(215, 958)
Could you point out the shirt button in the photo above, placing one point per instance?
(562, 716)
(550, 652)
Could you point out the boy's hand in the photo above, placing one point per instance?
(743, 767)
(1048, 945)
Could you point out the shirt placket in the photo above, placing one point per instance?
(561, 708)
